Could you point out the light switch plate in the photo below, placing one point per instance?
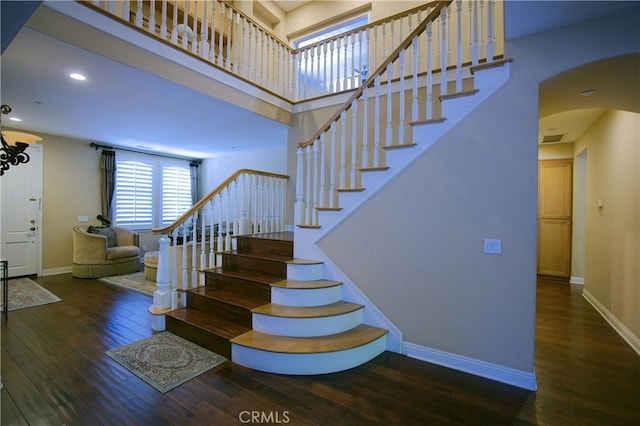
(492, 246)
(83, 219)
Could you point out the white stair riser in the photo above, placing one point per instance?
(302, 364)
(307, 327)
(305, 297)
(304, 272)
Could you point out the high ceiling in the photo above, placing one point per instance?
(164, 116)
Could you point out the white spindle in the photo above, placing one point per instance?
(194, 253)
(174, 27)
(353, 64)
(212, 236)
(185, 25)
(227, 240)
(299, 211)
(345, 76)
(473, 32)
(152, 17)
(309, 195)
(126, 12)
(459, 46)
(333, 78)
(204, 38)
(443, 52)
(221, 246)
(139, 15)
(332, 166)
(163, 20)
(229, 28)
(354, 140)
(221, 22)
(236, 46)
(429, 106)
(490, 31)
(311, 71)
(316, 181)
(376, 122)
(323, 153)
(325, 49)
(481, 25)
(365, 127)
(401, 108)
(414, 80)
(389, 129)
(343, 149)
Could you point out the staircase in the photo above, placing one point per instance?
(268, 311)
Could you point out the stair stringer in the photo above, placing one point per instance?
(306, 240)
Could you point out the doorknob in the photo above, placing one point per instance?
(33, 229)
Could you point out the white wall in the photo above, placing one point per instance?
(421, 262)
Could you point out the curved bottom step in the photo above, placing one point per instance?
(308, 355)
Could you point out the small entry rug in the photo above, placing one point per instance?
(165, 360)
(25, 293)
(135, 282)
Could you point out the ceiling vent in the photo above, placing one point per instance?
(552, 138)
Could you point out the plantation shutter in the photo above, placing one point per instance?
(134, 193)
(176, 192)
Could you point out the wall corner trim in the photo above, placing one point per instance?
(619, 327)
(56, 271)
(521, 379)
(576, 280)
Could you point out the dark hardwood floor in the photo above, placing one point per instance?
(55, 371)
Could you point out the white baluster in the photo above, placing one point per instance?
(376, 122)
(250, 48)
(332, 78)
(332, 167)
(299, 208)
(139, 15)
(365, 127)
(309, 195)
(244, 70)
(316, 181)
(352, 66)
(325, 49)
(214, 31)
(221, 246)
(311, 72)
(490, 31)
(227, 240)
(389, 129)
(354, 141)
(443, 52)
(473, 32)
(429, 99)
(345, 76)
(194, 40)
(204, 39)
(152, 17)
(343, 149)
(481, 25)
(163, 20)
(414, 80)
(229, 27)
(459, 46)
(401, 109)
(360, 73)
(236, 46)
(126, 12)
(174, 27)
(185, 25)
(221, 21)
(322, 165)
(194, 253)
(212, 236)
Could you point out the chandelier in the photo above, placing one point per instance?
(14, 146)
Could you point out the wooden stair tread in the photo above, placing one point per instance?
(357, 336)
(275, 257)
(297, 261)
(275, 310)
(280, 236)
(205, 321)
(297, 284)
(229, 297)
(248, 275)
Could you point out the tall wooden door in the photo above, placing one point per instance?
(554, 217)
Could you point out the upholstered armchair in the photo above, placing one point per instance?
(104, 252)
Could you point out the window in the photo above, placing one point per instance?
(150, 192)
(349, 67)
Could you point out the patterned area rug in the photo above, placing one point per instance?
(133, 281)
(165, 360)
(25, 293)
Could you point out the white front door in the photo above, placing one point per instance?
(21, 198)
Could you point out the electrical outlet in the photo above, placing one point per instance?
(492, 246)
(83, 219)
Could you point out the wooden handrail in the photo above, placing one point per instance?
(210, 195)
(395, 17)
(381, 68)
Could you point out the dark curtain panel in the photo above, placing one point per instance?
(107, 181)
(195, 182)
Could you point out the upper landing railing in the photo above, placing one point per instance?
(228, 39)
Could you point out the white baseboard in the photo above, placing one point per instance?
(56, 271)
(577, 280)
(620, 328)
(521, 379)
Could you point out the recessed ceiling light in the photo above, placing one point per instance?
(588, 92)
(77, 76)
(15, 119)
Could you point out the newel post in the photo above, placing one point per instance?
(162, 297)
